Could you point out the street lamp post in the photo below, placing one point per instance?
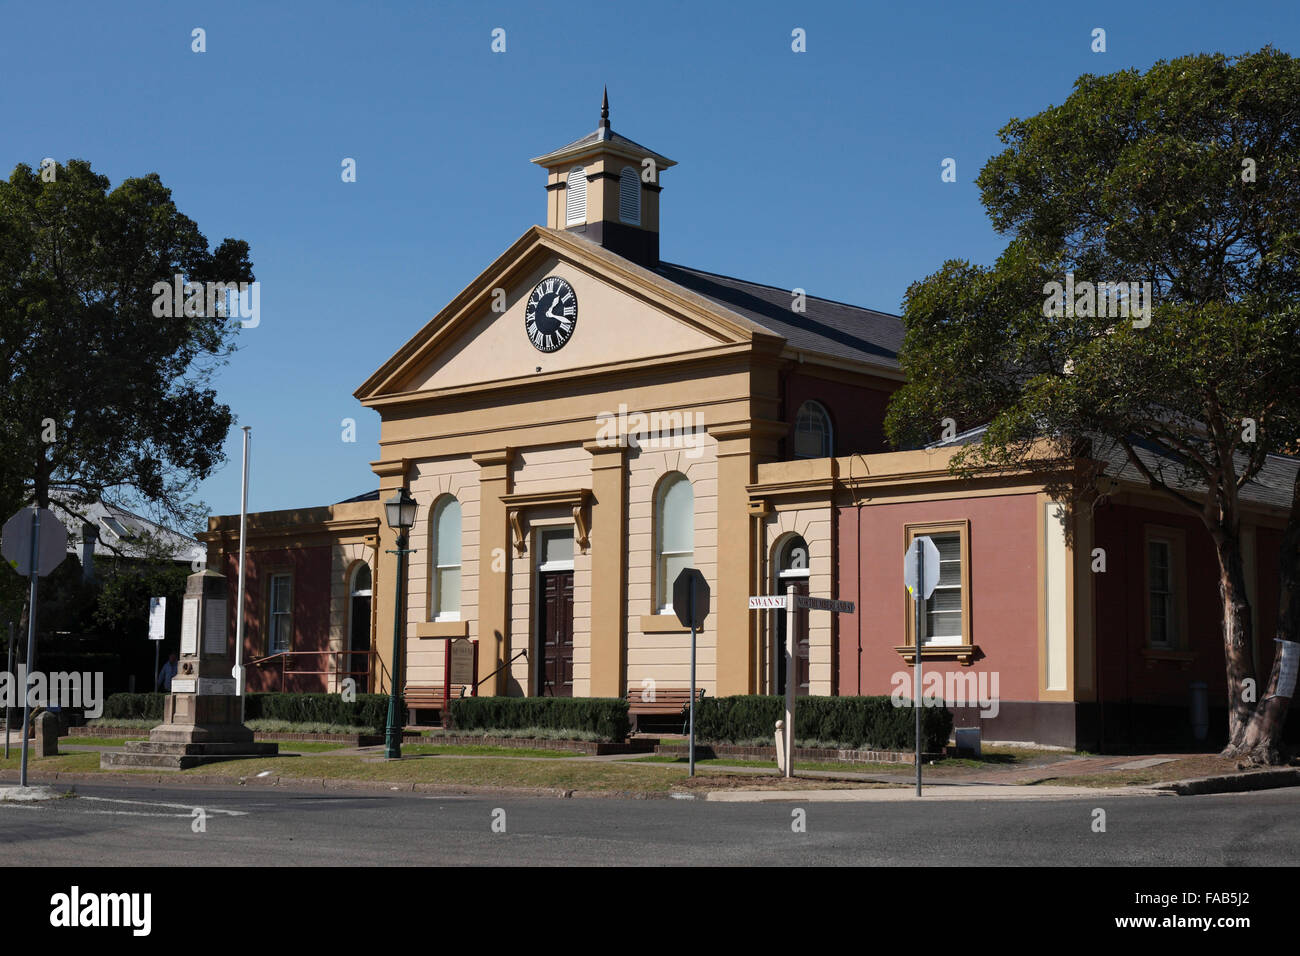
(400, 512)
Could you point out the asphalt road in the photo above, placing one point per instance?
(143, 826)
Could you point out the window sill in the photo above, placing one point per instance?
(965, 653)
(662, 624)
(442, 629)
(1182, 658)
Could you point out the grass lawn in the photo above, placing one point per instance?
(71, 761)
(306, 746)
(473, 750)
(1197, 765)
(450, 771)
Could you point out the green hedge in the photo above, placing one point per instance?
(368, 710)
(134, 706)
(869, 723)
(603, 716)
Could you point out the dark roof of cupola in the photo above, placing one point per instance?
(603, 133)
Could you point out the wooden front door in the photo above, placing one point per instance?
(555, 614)
(801, 642)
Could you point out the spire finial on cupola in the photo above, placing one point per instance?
(604, 113)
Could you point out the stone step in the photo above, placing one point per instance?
(166, 761)
(238, 748)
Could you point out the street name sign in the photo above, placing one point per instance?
(822, 604)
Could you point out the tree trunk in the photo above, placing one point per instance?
(1262, 742)
(1236, 635)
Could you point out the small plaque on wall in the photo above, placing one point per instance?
(182, 685)
(462, 661)
(190, 627)
(216, 686)
(214, 627)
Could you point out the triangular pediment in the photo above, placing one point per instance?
(625, 313)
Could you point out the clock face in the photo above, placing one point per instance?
(551, 314)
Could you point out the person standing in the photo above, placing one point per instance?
(166, 674)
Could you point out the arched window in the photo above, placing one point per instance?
(629, 196)
(674, 535)
(575, 197)
(361, 581)
(359, 594)
(812, 432)
(792, 558)
(444, 551)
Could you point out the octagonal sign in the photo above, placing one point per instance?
(17, 542)
(682, 604)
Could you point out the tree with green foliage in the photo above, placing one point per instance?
(104, 398)
(1186, 177)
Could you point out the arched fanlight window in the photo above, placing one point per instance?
(361, 581)
(792, 558)
(444, 551)
(812, 432)
(674, 535)
(629, 196)
(575, 197)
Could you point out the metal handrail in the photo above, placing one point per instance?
(483, 680)
(336, 671)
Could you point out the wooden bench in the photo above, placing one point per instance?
(668, 702)
(428, 697)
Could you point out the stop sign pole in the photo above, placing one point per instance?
(691, 605)
(32, 568)
(915, 563)
(39, 562)
(916, 693)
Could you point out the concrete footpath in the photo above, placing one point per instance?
(935, 793)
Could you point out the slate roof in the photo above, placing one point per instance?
(605, 136)
(826, 327)
(117, 528)
(364, 496)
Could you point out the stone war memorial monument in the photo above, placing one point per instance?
(201, 716)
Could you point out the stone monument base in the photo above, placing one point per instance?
(196, 729)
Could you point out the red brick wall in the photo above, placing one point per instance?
(1003, 600)
(1125, 674)
(857, 413)
(310, 568)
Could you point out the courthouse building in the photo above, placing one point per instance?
(585, 419)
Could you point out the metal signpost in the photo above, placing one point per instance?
(237, 672)
(157, 628)
(792, 602)
(33, 555)
(10, 669)
(920, 574)
(691, 605)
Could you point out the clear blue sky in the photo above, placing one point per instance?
(843, 142)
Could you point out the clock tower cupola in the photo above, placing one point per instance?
(606, 188)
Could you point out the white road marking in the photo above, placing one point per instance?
(172, 806)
